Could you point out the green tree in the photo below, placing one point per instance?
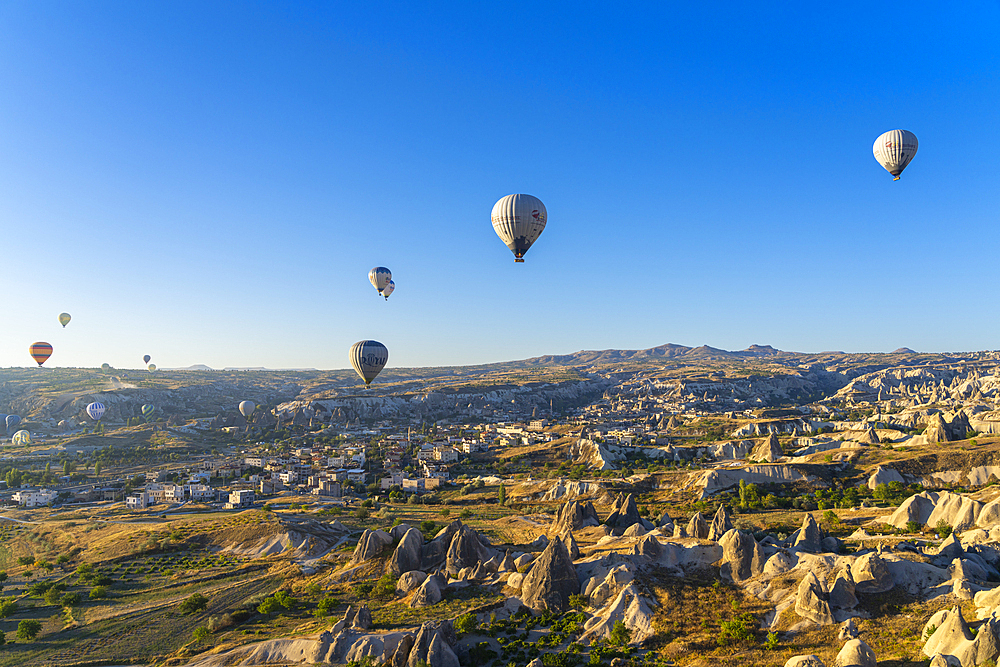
(8, 606)
(98, 592)
(502, 495)
(201, 634)
(97, 469)
(28, 629)
(193, 604)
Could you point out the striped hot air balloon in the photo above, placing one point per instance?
(40, 352)
(390, 287)
(96, 410)
(148, 410)
(368, 357)
(894, 150)
(151, 368)
(379, 277)
(519, 220)
(21, 438)
(105, 367)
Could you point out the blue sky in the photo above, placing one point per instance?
(210, 182)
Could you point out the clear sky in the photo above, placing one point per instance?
(210, 182)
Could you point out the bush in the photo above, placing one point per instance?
(913, 526)
(70, 600)
(738, 630)
(98, 592)
(619, 635)
(200, 634)
(578, 601)
(193, 604)
(466, 513)
(268, 606)
(26, 560)
(28, 629)
(385, 587)
(8, 606)
(942, 529)
(216, 623)
(465, 624)
(325, 607)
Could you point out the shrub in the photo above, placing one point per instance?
(200, 634)
(385, 587)
(70, 600)
(268, 606)
(98, 592)
(325, 607)
(216, 623)
(362, 588)
(942, 529)
(193, 604)
(8, 606)
(578, 601)
(26, 560)
(619, 635)
(913, 526)
(738, 630)
(772, 641)
(465, 624)
(28, 629)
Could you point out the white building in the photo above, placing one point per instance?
(240, 499)
(254, 461)
(289, 477)
(29, 498)
(138, 501)
(356, 475)
(445, 454)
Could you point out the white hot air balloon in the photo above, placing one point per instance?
(390, 287)
(247, 408)
(380, 277)
(21, 438)
(96, 411)
(894, 150)
(368, 357)
(519, 220)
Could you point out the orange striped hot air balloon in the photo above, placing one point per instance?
(40, 352)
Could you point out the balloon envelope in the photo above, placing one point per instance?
(105, 367)
(64, 319)
(40, 352)
(96, 411)
(247, 408)
(368, 357)
(148, 410)
(21, 438)
(12, 421)
(146, 358)
(894, 150)
(151, 367)
(390, 287)
(519, 220)
(379, 277)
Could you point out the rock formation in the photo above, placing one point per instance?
(551, 580)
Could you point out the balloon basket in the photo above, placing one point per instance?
(518, 260)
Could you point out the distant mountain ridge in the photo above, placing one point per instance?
(668, 351)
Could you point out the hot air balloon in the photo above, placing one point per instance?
(11, 421)
(64, 319)
(519, 220)
(390, 287)
(368, 358)
(40, 352)
(105, 367)
(894, 150)
(247, 408)
(146, 358)
(380, 277)
(96, 411)
(21, 438)
(148, 410)
(151, 367)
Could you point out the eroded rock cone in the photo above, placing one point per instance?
(871, 574)
(856, 653)
(574, 516)
(370, 545)
(624, 514)
(428, 593)
(571, 546)
(812, 603)
(435, 552)
(722, 523)
(431, 648)
(466, 550)
(408, 554)
(551, 580)
(742, 557)
(769, 450)
(697, 527)
(810, 536)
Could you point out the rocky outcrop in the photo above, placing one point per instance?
(697, 527)
(742, 557)
(930, 507)
(722, 523)
(432, 647)
(574, 516)
(768, 451)
(804, 661)
(409, 581)
(408, 553)
(551, 580)
(624, 513)
(465, 550)
(370, 546)
(435, 552)
(871, 575)
(937, 430)
(629, 607)
(812, 602)
(429, 593)
(809, 537)
(948, 636)
(856, 653)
